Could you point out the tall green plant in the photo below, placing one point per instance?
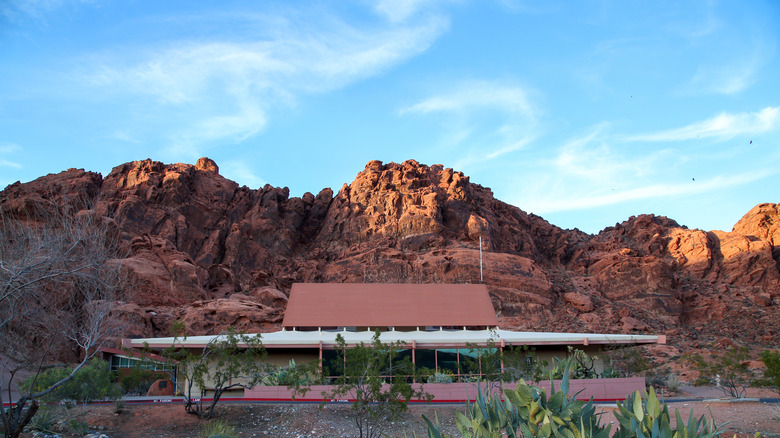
(376, 380)
(771, 378)
(646, 417)
(230, 360)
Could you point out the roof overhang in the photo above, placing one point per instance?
(418, 338)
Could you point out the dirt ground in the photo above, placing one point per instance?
(310, 420)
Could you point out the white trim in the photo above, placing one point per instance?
(327, 338)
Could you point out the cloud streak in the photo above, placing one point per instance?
(555, 204)
(9, 149)
(513, 118)
(722, 127)
(225, 90)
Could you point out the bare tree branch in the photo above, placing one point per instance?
(61, 275)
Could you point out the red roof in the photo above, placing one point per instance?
(381, 304)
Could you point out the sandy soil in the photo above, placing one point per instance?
(309, 420)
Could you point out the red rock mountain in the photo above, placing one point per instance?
(213, 254)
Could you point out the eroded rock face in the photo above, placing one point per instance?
(211, 254)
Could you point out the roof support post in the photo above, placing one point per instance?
(414, 363)
(320, 359)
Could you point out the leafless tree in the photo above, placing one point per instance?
(61, 276)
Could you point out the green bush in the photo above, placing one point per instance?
(725, 369)
(138, 380)
(772, 373)
(522, 362)
(625, 361)
(79, 427)
(92, 382)
(293, 375)
(439, 378)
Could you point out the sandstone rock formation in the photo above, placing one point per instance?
(212, 254)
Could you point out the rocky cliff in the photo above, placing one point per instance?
(213, 254)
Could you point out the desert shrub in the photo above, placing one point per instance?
(726, 369)
(439, 378)
(673, 382)
(771, 377)
(522, 362)
(578, 365)
(664, 377)
(218, 429)
(119, 406)
(92, 382)
(43, 421)
(625, 361)
(294, 375)
(138, 380)
(79, 427)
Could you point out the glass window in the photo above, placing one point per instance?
(448, 360)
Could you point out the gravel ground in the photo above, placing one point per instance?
(332, 421)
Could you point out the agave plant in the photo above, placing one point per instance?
(647, 418)
(528, 411)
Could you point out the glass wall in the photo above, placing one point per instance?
(118, 362)
(460, 364)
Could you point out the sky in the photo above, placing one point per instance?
(582, 112)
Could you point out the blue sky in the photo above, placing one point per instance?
(583, 112)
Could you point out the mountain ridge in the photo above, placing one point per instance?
(212, 253)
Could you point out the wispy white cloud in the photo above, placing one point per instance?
(512, 124)
(240, 172)
(735, 69)
(722, 127)
(9, 149)
(728, 79)
(473, 95)
(7, 163)
(561, 202)
(223, 91)
(398, 10)
(125, 136)
(596, 169)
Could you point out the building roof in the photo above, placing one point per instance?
(416, 338)
(394, 305)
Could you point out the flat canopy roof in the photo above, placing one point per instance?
(416, 339)
(393, 305)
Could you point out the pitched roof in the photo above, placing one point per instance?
(382, 304)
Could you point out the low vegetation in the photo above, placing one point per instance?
(771, 377)
(527, 411)
(726, 369)
(377, 381)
